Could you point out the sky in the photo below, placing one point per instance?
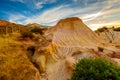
(94, 13)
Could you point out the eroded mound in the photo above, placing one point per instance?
(73, 32)
(70, 40)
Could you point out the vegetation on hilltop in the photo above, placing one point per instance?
(107, 32)
(117, 29)
(105, 28)
(101, 29)
(37, 30)
(26, 34)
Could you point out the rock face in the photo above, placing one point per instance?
(71, 35)
(68, 41)
(109, 34)
(74, 33)
(58, 50)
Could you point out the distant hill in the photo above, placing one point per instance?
(4, 23)
(109, 34)
(9, 27)
(36, 25)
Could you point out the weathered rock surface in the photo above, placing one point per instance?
(58, 50)
(109, 34)
(67, 42)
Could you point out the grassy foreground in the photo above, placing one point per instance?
(14, 64)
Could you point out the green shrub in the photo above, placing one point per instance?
(37, 30)
(117, 29)
(26, 34)
(102, 29)
(96, 69)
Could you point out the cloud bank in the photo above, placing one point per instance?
(98, 13)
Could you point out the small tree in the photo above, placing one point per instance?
(96, 69)
(102, 29)
(26, 34)
(37, 30)
(117, 29)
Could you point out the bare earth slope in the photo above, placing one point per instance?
(71, 40)
(72, 32)
(109, 34)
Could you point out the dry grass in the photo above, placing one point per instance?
(14, 64)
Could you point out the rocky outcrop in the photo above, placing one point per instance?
(110, 35)
(67, 42)
(57, 50)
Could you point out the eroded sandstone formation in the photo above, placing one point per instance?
(67, 42)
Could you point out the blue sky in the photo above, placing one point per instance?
(94, 13)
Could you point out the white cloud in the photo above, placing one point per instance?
(22, 1)
(91, 14)
(53, 15)
(49, 16)
(98, 25)
(75, 1)
(89, 17)
(16, 17)
(37, 4)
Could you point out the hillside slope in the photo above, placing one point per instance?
(109, 34)
(14, 64)
(67, 42)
